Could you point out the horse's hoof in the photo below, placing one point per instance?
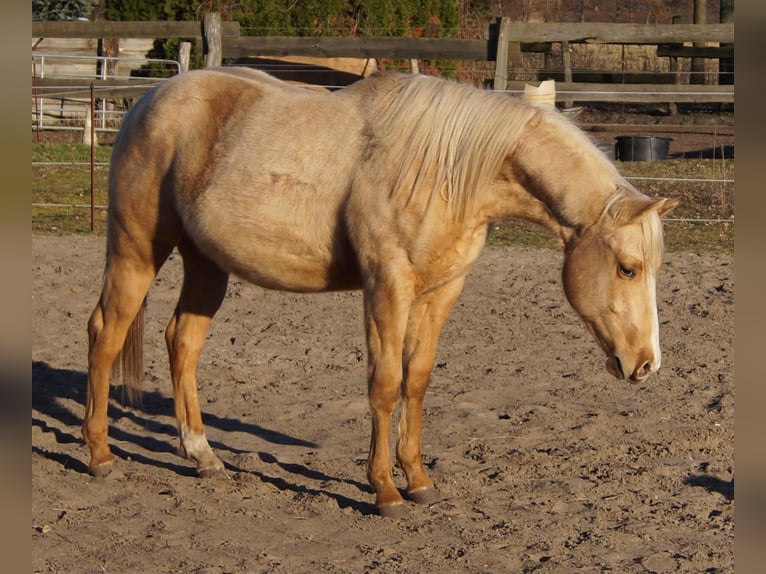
(212, 472)
(396, 510)
(427, 495)
(101, 470)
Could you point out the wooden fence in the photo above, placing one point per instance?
(222, 40)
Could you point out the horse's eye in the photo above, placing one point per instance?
(628, 272)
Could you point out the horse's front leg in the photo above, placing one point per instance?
(427, 317)
(386, 308)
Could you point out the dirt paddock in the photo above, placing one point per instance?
(545, 462)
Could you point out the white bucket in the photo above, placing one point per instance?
(543, 95)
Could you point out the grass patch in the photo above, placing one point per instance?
(700, 200)
(70, 185)
(69, 152)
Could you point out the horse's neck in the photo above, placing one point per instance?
(568, 178)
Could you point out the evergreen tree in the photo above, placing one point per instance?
(429, 18)
(61, 9)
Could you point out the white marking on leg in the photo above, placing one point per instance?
(194, 444)
(195, 447)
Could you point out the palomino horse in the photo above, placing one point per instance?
(387, 186)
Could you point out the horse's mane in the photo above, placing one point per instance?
(450, 136)
(654, 246)
(449, 140)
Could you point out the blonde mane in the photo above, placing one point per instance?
(654, 246)
(446, 139)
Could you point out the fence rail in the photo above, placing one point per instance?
(105, 89)
(127, 29)
(585, 32)
(503, 40)
(635, 93)
(100, 67)
(62, 97)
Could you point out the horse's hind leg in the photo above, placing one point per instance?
(127, 277)
(204, 287)
(427, 317)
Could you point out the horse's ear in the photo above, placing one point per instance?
(661, 205)
(665, 205)
(627, 210)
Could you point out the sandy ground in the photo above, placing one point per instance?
(546, 463)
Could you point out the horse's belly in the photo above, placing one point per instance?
(288, 271)
(284, 252)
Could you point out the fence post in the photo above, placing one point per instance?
(501, 59)
(675, 69)
(92, 159)
(211, 28)
(88, 130)
(566, 62)
(184, 55)
(697, 69)
(726, 65)
(36, 97)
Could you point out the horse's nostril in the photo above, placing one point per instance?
(647, 368)
(618, 367)
(643, 371)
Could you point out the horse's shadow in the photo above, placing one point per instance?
(712, 484)
(52, 388)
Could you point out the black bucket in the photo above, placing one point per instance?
(641, 148)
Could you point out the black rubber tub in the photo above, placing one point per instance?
(641, 148)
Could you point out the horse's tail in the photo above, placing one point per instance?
(128, 367)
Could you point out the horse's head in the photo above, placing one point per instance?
(609, 277)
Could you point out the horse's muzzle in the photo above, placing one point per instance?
(640, 373)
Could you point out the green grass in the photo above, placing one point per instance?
(68, 185)
(69, 152)
(71, 185)
(699, 200)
